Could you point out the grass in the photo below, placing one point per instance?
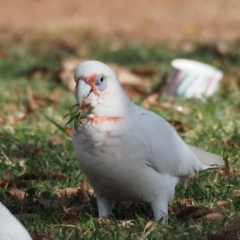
(25, 147)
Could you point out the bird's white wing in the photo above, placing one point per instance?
(206, 158)
(168, 153)
(10, 227)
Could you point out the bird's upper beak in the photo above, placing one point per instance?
(83, 93)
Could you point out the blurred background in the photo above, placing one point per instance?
(147, 21)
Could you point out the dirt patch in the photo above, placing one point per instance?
(148, 21)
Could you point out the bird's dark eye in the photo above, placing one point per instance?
(101, 83)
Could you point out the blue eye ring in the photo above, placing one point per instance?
(101, 82)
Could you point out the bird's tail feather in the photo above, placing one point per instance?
(207, 158)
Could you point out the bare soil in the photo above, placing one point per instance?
(149, 21)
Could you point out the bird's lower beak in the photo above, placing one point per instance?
(83, 93)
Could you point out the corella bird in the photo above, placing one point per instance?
(127, 152)
(10, 227)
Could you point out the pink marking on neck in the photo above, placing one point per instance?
(97, 120)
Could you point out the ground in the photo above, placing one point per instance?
(145, 21)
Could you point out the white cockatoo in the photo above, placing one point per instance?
(127, 152)
(10, 227)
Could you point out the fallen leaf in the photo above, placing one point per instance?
(216, 216)
(150, 100)
(64, 201)
(84, 190)
(69, 191)
(66, 74)
(179, 126)
(46, 203)
(236, 193)
(151, 225)
(31, 150)
(200, 212)
(68, 130)
(2, 119)
(44, 175)
(55, 95)
(7, 175)
(41, 237)
(102, 221)
(55, 140)
(133, 91)
(14, 192)
(125, 76)
(128, 223)
(234, 226)
(226, 168)
(30, 103)
(16, 117)
(223, 204)
(195, 212)
(69, 217)
(145, 71)
(222, 236)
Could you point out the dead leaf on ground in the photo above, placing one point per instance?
(2, 119)
(12, 182)
(55, 95)
(102, 221)
(68, 130)
(41, 237)
(222, 236)
(69, 191)
(133, 91)
(234, 226)
(64, 226)
(127, 77)
(151, 225)
(227, 234)
(16, 117)
(226, 168)
(179, 125)
(196, 212)
(55, 140)
(66, 75)
(145, 71)
(14, 192)
(217, 216)
(69, 217)
(236, 193)
(30, 104)
(230, 142)
(7, 175)
(127, 224)
(201, 212)
(31, 150)
(226, 172)
(46, 203)
(150, 100)
(64, 201)
(44, 175)
(223, 204)
(84, 190)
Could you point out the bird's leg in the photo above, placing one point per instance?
(160, 211)
(104, 205)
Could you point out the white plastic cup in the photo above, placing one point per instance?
(192, 79)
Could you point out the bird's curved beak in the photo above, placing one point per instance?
(83, 93)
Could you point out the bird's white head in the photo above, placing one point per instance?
(98, 86)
